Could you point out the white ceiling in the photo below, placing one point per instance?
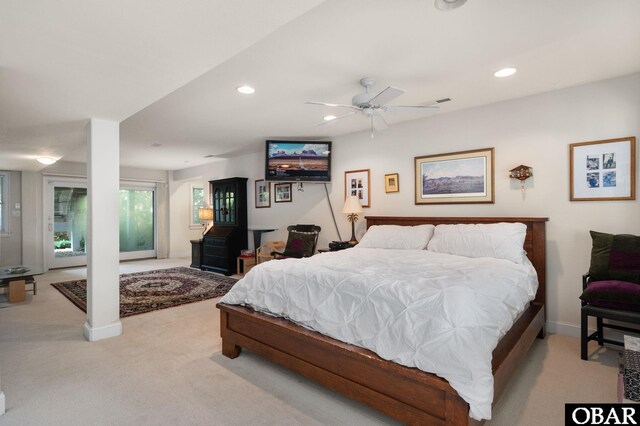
(168, 72)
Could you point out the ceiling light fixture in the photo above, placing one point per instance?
(449, 4)
(329, 117)
(46, 160)
(246, 90)
(505, 72)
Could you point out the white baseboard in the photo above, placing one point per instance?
(573, 330)
(2, 403)
(563, 328)
(98, 333)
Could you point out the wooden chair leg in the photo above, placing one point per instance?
(583, 334)
(600, 331)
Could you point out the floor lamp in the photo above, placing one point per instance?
(352, 208)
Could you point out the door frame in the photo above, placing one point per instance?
(49, 182)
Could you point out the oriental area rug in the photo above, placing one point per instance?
(152, 290)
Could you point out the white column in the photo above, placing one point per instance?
(103, 234)
(2, 402)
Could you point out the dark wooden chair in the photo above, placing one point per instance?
(301, 242)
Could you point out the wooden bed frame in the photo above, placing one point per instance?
(406, 394)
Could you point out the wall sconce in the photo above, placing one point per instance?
(521, 173)
(205, 214)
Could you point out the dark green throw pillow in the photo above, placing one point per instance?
(615, 257)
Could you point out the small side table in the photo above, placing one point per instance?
(245, 263)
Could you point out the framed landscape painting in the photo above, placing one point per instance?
(603, 170)
(456, 177)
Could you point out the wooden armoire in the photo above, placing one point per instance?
(228, 236)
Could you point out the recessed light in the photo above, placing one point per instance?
(245, 90)
(505, 72)
(46, 160)
(329, 117)
(449, 4)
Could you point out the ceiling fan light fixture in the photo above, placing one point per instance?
(329, 117)
(505, 72)
(246, 90)
(449, 4)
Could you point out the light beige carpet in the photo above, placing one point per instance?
(166, 369)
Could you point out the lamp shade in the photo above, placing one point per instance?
(205, 213)
(352, 205)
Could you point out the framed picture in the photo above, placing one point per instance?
(282, 192)
(356, 182)
(263, 194)
(603, 170)
(391, 183)
(456, 177)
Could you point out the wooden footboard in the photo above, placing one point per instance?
(406, 394)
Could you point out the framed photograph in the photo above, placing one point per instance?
(603, 170)
(391, 183)
(263, 194)
(456, 177)
(356, 182)
(282, 192)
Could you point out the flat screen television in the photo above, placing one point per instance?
(298, 161)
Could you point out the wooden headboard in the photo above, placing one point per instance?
(534, 243)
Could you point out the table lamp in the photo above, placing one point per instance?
(205, 214)
(351, 208)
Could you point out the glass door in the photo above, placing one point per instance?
(66, 224)
(137, 222)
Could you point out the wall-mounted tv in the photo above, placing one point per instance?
(298, 161)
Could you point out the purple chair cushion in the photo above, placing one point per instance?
(614, 294)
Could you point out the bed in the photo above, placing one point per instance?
(407, 394)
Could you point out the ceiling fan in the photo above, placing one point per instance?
(373, 105)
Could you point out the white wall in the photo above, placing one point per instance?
(180, 207)
(536, 131)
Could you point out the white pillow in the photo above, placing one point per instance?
(498, 240)
(397, 237)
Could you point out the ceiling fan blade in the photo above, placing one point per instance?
(412, 109)
(387, 95)
(379, 123)
(332, 105)
(324, 122)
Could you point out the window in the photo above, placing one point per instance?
(4, 203)
(197, 201)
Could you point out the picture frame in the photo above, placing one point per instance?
(391, 183)
(262, 193)
(603, 170)
(356, 182)
(464, 177)
(282, 192)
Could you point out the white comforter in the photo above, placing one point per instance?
(441, 313)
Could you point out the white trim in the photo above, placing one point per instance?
(93, 334)
(564, 329)
(192, 224)
(5, 230)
